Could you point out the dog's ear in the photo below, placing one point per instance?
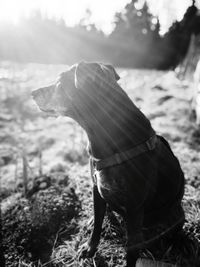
(87, 74)
(111, 71)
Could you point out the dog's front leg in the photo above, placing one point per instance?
(134, 222)
(88, 249)
(99, 212)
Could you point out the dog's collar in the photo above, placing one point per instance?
(121, 157)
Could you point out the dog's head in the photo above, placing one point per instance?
(82, 83)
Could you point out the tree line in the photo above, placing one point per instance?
(134, 42)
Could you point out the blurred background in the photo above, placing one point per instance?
(137, 33)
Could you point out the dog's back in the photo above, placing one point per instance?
(169, 186)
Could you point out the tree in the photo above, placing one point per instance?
(179, 34)
(133, 23)
(136, 34)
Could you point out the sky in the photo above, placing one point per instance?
(102, 11)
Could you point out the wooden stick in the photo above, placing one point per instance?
(25, 172)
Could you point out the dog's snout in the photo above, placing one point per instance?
(38, 92)
(44, 93)
(44, 98)
(34, 93)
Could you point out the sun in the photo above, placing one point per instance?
(70, 10)
(10, 10)
(13, 10)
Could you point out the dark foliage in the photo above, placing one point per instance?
(178, 37)
(31, 226)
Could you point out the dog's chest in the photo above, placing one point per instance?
(112, 189)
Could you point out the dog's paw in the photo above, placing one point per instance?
(87, 251)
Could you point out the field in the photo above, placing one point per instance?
(46, 201)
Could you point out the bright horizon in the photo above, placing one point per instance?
(102, 11)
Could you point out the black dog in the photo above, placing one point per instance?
(134, 170)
